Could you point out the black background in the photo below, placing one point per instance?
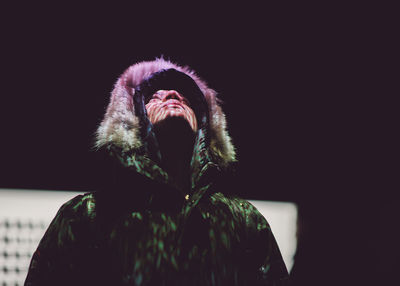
(302, 91)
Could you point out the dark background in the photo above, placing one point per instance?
(302, 91)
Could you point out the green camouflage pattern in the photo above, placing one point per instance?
(204, 237)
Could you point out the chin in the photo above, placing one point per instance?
(174, 124)
(177, 118)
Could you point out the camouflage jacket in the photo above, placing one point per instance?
(158, 236)
(139, 229)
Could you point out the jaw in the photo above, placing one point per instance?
(165, 113)
(175, 127)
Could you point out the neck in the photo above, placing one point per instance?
(176, 141)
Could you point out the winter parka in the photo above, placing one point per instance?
(139, 229)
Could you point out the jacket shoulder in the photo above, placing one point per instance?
(67, 237)
(241, 207)
(80, 205)
(71, 214)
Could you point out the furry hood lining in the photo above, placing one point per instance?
(120, 126)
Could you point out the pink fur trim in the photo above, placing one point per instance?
(120, 125)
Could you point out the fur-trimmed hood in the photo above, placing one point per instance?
(125, 115)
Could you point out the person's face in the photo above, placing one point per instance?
(169, 103)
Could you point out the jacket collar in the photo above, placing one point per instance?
(203, 170)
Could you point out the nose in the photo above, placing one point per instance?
(172, 94)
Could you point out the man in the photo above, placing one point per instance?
(165, 217)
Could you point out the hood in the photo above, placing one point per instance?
(127, 132)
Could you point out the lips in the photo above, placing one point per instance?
(175, 106)
(172, 104)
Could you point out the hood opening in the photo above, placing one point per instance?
(169, 79)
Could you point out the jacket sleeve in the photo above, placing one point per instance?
(264, 250)
(51, 261)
